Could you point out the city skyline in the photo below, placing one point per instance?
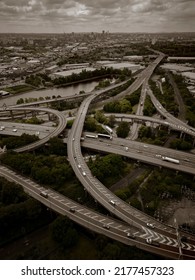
(44, 16)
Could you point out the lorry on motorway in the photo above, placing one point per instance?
(101, 135)
(173, 160)
(91, 136)
(108, 129)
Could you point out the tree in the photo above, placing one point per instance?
(181, 145)
(13, 142)
(123, 129)
(111, 121)
(63, 232)
(134, 97)
(90, 124)
(57, 147)
(123, 194)
(99, 116)
(135, 203)
(112, 107)
(111, 252)
(34, 120)
(125, 106)
(145, 132)
(149, 109)
(20, 101)
(10, 193)
(109, 166)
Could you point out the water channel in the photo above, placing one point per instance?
(66, 91)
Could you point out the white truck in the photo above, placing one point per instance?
(173, 160)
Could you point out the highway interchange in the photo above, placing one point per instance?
(134, 221)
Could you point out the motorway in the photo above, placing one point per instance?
(150, 154)
(134, 219)
(61, 126)
(19, 128)
(45, 129)
(103, 224)
(170, 118)
(136, 150)
(171, 123)
(96, 188)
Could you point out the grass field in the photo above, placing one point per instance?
(19, 89)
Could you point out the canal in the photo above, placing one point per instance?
(66, 91)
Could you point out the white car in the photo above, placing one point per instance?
(112, 202)
(106, 226)
(159, 156)
(14, 130)
(150, 225)
(130, 235)
(152, 242)
(149, 240)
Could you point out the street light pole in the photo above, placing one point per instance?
(178, 238)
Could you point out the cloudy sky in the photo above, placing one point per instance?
(96, 15)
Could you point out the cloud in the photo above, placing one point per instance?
(96, 15)
(150, 6)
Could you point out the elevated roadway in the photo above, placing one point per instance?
(96, 188)
(170, 118)
(117, 230)
(61, 126)
(165, 234)
(150, 154)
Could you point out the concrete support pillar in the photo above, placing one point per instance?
(11, 113)
(34, 114)
(193, 142)
(49, 116)
(181, 134)
(59, 103)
